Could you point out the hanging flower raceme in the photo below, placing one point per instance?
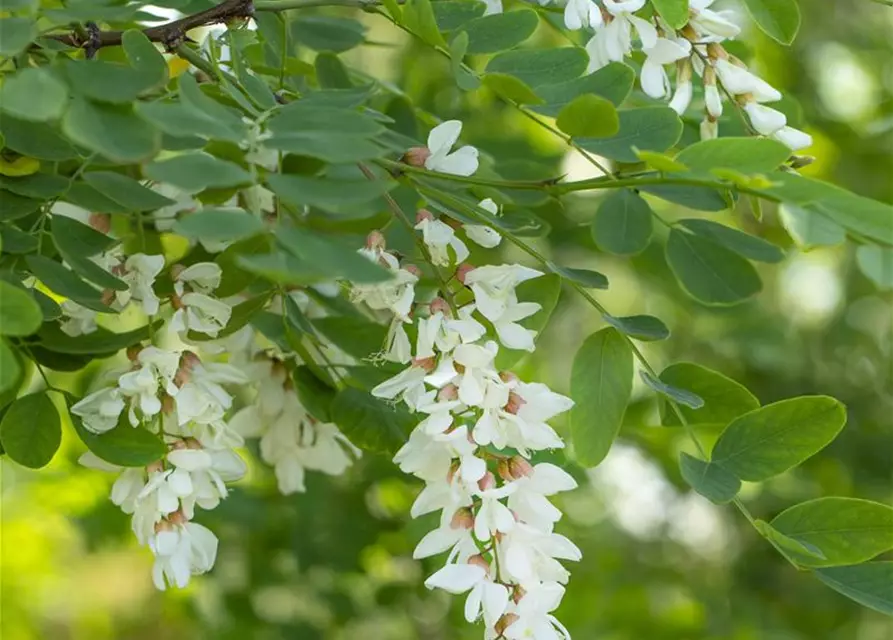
(195, 308)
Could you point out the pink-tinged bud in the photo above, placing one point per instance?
(102, 222)
(423, 214)
(462, 519)
(449, 392)
(480, 561)
(487, 482)
(176, 303)
(463, 270)
(453, 470)
(182, 377)
(428, 364)
(133, 352)
(163, 525)
(192, 443)
(504, 623)
(513, 406)
(154, 467)
(414, 270)
(107, 296)
(176, 270)
(416, 156)
(375, 240)
(520, 468)
(439, 305)
(503, 469)
(518, 593)
(189, 360)
(167, 405)
(177, 517)
(177, 445)
(508, 377)
(715, 51)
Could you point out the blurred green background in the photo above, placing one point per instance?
(659, 561)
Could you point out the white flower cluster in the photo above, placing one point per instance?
(177, 396)
(480, 428)
(694, 48)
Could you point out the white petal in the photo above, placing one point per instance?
(442, 137)
(462, 162)
(456, 578)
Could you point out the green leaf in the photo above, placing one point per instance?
(641, 327)
(331, 72)
(586, 277)
(315, 394)
(10, 369)
(724, 399)
(16, 241)
(877, 264)
(543, 290)
(15, 35)
(709, 272)
(647, 128)
(124, 445)
(115, 131)
(144, 57)
(661, 162)
(126, 191)
(101, 341)
(589, 115)
(38, 185)
(219, 224)
(35, 140)
(19, 313)
(76, 242)
(870, 584)
(30, 431)
(698, 198)
(499, 31)
(770, 440)
(622, 225)
(810, 228)
(370, 423)
(194, 172)
(326, 192)
(679, 396)
(327, 33)
(281, 267)
(15, 206)
(511, 88)
(741, 243)
(34, 94)
(789, 547)
(452, 14)
(418, 17)
(613, 82)
(464, 78)
(846, 530)
(357, 337)
(329, 255)
(328, 146)
(601, 385)
(307, 117)
(65, 283)
(710, 480)
(675, 12)
(779, 19)
(745, 155)
(535, 67)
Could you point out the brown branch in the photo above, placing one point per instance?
(171, 34)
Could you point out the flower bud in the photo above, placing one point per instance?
(414, 270)
(163, 525)
(167, 405)
(416, 156)
(422, 215)
(452, 471)
(709, 129)
(480, 561)
(487, 482)
(712, 99)
(176, 302)
(107, 296)
(154, 467)
(428, 364)
(177, 445)
(102, 222)
(462, 271)
(439, 305)
(449, 392)
(177, 517)
(513, 406)
(462, 519)
(520, 468)
(189, 360)
(375, 240)
(508, 377)
(504, 623)
(502, 468)
(518, 592)
(133, 352)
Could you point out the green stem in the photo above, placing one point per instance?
(286, 5)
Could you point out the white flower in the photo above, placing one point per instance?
(478, 370)
(438, 237)
(529, 555)
(712, 100)
(100, 410)
(462, 162)
(140, 273)
(398, 348)
(409, 384)
(511, 334)
(481, 234)
(180, 552)
(581, 13)
(493, 516)
(715, 25)
(494, 287)
(202, 277)
(655, 82)
(738, 80)
(486, 595)
(395, 295)
(535, 619)
(684, 89)
(207, 471)
(78, 320)
(793, 138)
(529, 502)
(157, 368)
(613, 42)
(202, 313)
